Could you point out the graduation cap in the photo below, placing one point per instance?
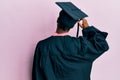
(70, 14)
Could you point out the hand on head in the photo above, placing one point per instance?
(83, 23)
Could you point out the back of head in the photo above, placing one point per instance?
(64, 21)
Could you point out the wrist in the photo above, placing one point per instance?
(85, 27)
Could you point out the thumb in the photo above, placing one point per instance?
(80, 24)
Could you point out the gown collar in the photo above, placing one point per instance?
(62, 34)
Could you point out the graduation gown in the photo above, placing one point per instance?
(68, 58)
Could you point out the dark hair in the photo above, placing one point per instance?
(62, 26)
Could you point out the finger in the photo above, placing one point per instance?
(84, 20)
(80, 24)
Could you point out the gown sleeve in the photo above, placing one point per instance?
(93, 43)
(37, 73)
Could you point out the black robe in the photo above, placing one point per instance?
(68, 58)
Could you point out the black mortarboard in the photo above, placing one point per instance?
(70, 14)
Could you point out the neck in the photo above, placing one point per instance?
(60, 31)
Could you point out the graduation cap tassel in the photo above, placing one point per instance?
(77, 30)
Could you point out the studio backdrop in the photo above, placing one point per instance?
(25, 22)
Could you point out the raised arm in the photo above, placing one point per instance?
(93, 42)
